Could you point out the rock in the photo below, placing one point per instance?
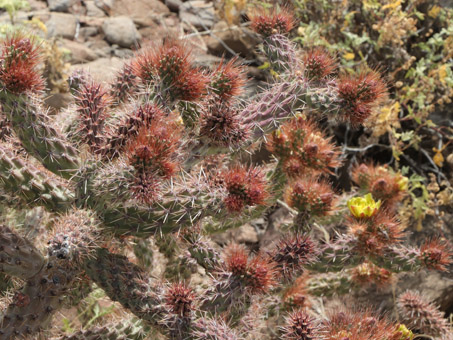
(62, 25)
(36, 5)
(142, 12)
(102, 69)
(198, 13)
(58, 101)
(239, 40)
(60, 5)
(93, 10)
(105, 5)
(101, 48)
(244, 234)
(121, 31)
(86, 32)
(79, 52)
(173, 5)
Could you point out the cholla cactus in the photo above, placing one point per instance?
(421, 315)
(160, 152)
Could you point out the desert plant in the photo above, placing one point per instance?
(170, 162)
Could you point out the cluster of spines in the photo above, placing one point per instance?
(19, 69)
(303, 148)
(92, 102)
(384, 184)
(244, 186)
(170, 68)
(124, 85)
(358, 95)
(268, 22)
(421, 315)
(292, 253)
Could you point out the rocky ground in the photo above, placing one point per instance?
(99, 35)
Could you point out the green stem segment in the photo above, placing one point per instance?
(34, 129)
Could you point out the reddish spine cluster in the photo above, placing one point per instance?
(141, 116)
(245, 186)
(384, 184)
(154, 155)
(92, 101)
(222, 125)
(268, 22)
(19, 65)
(421, 315)
(358, 95)
(291, 253)
(302, 148)
(257, 274)
(359, 325)
(376, 233)
(300, 326)
(318, 64)
(436, 254)
(228, 80)
(180, 299)
(310, 195)
(124, 84)
(170, 65)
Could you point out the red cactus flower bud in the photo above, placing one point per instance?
(421, 315)
(318, 64)
(222, 125)
(291, 253)
(245, 187)
(436, 254)
(236, 259)
(309, 194)
(155, 147)
(272, 21)
(228, 79)
(257, 274)
(140, 117)
(384, 184)
(300, 326)
(171, 64)
(19, 61)
(303, 148)
(180, 299)
(357, 325)
(375, 234)
(359, 94)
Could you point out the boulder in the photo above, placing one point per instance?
(121, 31)
(60, 5)
(141, 12)
(79, 52)
(93, 10)
(62, 25)
(198, 13)
(239, 40)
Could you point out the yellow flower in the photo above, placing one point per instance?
(403, 183)
(349, 56)
(363, 207)
(406, 334)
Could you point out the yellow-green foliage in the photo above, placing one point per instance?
(12, 6)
